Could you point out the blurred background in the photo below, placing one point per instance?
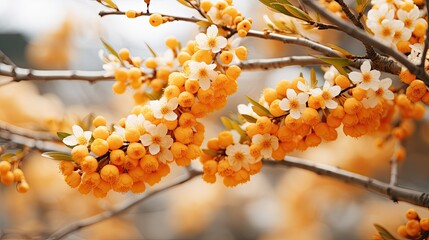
(275, 204)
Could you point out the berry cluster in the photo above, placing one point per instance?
(139, 149)
(10, 173)
(415, 228)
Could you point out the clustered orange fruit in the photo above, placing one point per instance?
(141, 147)
(415, 228)
(10, 173)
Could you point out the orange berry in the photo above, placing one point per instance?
(225, 139)
(413, 228)
(132, 134)
(136, 150)
(310, 116)
(155, 19)
(342, 81)
(149, 163)
(275, 109)
(119, 87)
(138, 187)
(172, 42)
(7, 178)
(66, 167)
(270, 95)
(312, 140)
(206, 5)
(209, 178)
(109, 173)
(5, 167)
(115, 141)
(233, 72)
(99, 121)
(184, 134)
(241, 53)
(101, 132)
(416, 90)
(99, 147)
(244, 25)
(358, 93)
(79, 152)
(117, 157)
(226, 57)
(402, 231)
(22, 187)
(424, 224)
(352, 106)
(411, 214)
(130, 14)
(186, 99)
(89, 164)
(73, 179)
(121, 74)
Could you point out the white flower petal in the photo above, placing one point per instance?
(366, 66)
(77, 130)
(204, 83)
(154, 149)
(171, 116)
(212, 31)
(290, 93)
(331, 104)
(70, 140)
(355, 77)
(284, 104)
(295, 114)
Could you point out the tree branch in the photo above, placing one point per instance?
(274, 63)
(393, 192)
(363, 36)
(33, 139)
(24, 74)
(121, 208)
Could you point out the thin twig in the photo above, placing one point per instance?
(395, 193)
(426, 45)
(25, 74)
(274, 63)
(121, 208)
(394, 166)
(363, 36)
(369, 49)
(5, 59)
(33, 139)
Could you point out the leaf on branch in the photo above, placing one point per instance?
(185, 3)
(62, 135)
(313, 79)
(86, 122)
(339, 49)
(111, 4)
(57, 156)
(258, 108)
(211, 152)
(273, 4)
(342, 62)
(386, 235)
(226, 122)
(248, 118)
(204, 24)
(151, 50)
(7, 157)
(111, 50)
(295, 12)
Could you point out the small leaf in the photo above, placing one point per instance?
(386, 235)
(248, 118)
(7, 157)
(211, 152)
(226, 122)
(339, 49)
(258, 108)
(111, 4)
(62, 135)
(313, 79)
(153, 95)
(341, 70)
(203, 24)
(343, 62)
(185, 3)
(151, 50)
(111, 50)
(58, 156)
(297, 13)
(361, 5)
(275, 6)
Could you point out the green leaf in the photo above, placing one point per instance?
(341, 70)
(274, 5)
(343, 62)
(185, 3)
(62, 135)
(226, 122)
(111, 50)
(339, 49)
(57, 156)
(386, 235)
(211, 152)
(111, 4)
(296, 12)
(7, 157)
(151, 50)
(313, 79)
(249, 118)
(258, 108)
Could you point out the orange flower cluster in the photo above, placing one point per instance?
(415, 228)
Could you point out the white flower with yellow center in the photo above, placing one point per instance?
(78, 137)
(165, 155)
(294, 103)
(367, 78)
(111, 63)
(168, 61)
(203, 73)
(401, 34)
(267, 142)
(211, 41)
(327, 92)
(219, 18)
(382, 93)
(386, 30)
(156, 137)
(239, 156)
(134, 121)
(163, 109)
(409, 18)
(376, 16)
